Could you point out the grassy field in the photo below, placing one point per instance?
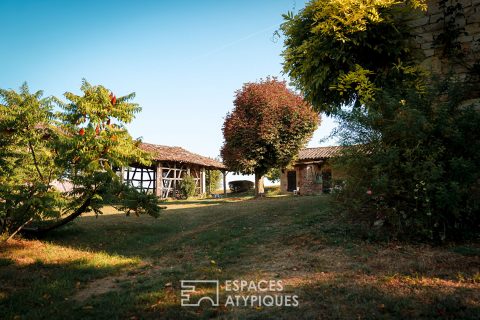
(117, 267)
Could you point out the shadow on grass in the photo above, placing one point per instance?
(344, 300)
(41, 290)
(332, 299)
(286, 238)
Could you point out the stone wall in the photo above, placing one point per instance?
(306, 178)
(429, 26)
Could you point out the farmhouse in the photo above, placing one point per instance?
(311, 172)
(169, 166)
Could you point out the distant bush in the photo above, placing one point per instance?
(240, 185)
(214, 179)
(187, 186)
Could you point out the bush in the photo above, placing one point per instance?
(417, 174)
(187, 186)
(240, 185)
(214, 179)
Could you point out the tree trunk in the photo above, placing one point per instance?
(259, 190)
(39, 231)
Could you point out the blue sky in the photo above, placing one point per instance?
(183, 59)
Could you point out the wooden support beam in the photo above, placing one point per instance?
(159, 180)
(202, 181)
(208, 181)
(174, 180)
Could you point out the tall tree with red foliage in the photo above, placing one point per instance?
(266, 129)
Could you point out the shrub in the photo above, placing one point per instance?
(214, 179)
(240, 185)
(187, 186)
(417, 174)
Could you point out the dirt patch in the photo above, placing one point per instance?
(99, 286)
(113, 283)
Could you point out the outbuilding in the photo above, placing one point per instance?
(311, 172)
(169, 166)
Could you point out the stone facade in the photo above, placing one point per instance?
(310, 179)
(430, 25)
(311, 173)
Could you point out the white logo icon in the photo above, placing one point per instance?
(190, 287)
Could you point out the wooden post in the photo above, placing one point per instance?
(122, 174)
(159, 181)
(207, 185)
(202, 181)
(174, 195)
(224, 183)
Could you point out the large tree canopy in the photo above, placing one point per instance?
(80, 145)
(337, 52)
(266, 129)
(417, 171)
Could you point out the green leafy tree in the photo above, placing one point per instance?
(266, 129)
(412, 166)
(339, 52)
(81, 145)
(274, 175)
(214, 179)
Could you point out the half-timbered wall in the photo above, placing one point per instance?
(141, 178)
(166, 175)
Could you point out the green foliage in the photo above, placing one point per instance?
(240, 186)
(187, 186)
(214, 179)
(81, 144)
(138, 202)
(274, 175)
(413, 164)
(420, 159)
(339, 51)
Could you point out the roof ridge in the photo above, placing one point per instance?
(180, 154)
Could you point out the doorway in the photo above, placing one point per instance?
(291, 181)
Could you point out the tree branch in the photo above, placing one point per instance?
(38, 231)
(35, 160)
(19, 228)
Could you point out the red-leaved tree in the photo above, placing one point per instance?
(266, 129)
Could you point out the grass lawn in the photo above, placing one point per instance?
(117, 267)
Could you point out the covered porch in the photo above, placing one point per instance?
(169, 166)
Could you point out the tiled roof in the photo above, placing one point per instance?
(319, 153)
(178, 154)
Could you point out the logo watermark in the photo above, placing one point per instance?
(191, 288)
(238, 293)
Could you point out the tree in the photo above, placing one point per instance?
(266, 129)
(339, 52)
(82, 145)
(274, 175)
(213, 179)
(413, 163)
